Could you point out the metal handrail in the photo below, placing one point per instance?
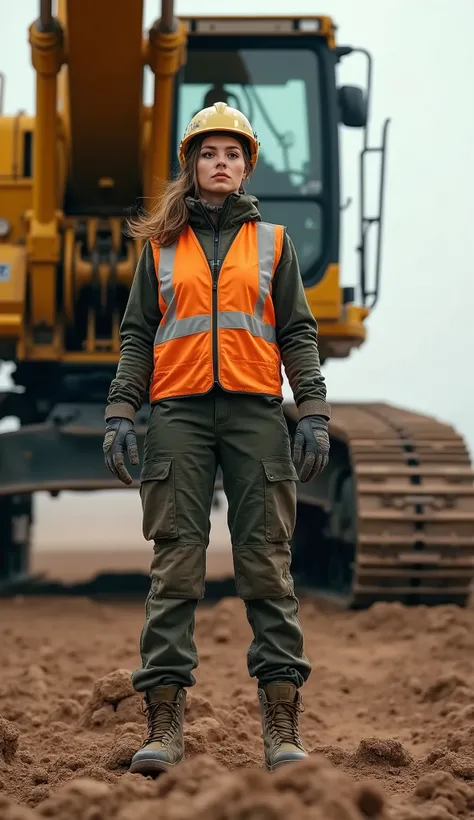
(46, 13)
(168, 22)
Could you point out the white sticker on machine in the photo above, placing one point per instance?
(4, 271)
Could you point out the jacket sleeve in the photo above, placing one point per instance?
(297, 336)
(137, 333)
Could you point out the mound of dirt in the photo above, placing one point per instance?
(388, 720)
(205, 790)
(9, 735)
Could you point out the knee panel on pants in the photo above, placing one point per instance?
(178, 571)
(263, 571)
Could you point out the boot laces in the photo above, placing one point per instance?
(163, 720)
(282, 716)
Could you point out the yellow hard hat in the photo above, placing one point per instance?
(219, 117)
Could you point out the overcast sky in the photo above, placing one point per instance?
(420, 343)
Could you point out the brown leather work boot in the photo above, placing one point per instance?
(280, 705)
(164, 746)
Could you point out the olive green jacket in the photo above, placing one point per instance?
(296, 328)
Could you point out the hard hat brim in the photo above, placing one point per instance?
(253, 143)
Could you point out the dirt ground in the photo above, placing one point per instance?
(389, 717)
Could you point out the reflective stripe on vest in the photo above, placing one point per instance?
(244, 303)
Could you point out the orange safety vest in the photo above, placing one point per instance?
(217, 330)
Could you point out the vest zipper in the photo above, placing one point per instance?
(215, 274)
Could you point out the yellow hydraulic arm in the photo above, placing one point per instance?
(165, 55)
(96, 150)
(47, 50)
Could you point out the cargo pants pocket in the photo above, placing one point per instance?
(280, 479)
(158, 497)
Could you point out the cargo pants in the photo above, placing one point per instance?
(186, 440)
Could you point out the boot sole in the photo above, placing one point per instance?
(152, 767)
(280, 764)
(277, 766)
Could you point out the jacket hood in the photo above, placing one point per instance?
(237, 209)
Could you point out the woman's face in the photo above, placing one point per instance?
(220, 167)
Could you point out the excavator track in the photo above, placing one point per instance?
(413, 498)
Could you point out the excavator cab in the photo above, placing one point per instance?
(273, 91)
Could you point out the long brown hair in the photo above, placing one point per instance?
(169, 215)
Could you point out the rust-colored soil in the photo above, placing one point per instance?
(389, 717)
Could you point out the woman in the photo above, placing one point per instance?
(216, 305)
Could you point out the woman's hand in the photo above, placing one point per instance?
(120, 436)
(311, 447)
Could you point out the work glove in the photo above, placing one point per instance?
(311, 447)
(120, 436)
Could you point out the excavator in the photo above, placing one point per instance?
(392, 516)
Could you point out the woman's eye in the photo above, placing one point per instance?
(209, 154)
